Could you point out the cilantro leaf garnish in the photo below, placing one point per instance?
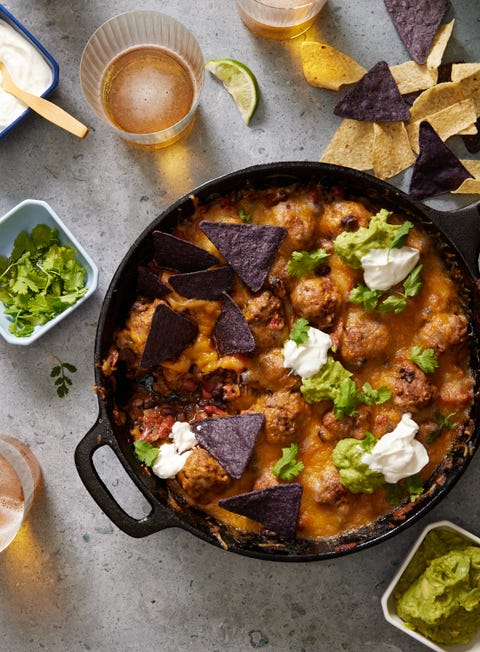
(302, 262)
(348, 397)
(426, 359)
(244, 216)
(443, 422)
(299, 332)
(39, 279)
(346, 401)
(411, 486)
(371, 396)
(412, 284)
(368, 442)
(396, 302)
(145, 452)
(288, 467)
(401, 235)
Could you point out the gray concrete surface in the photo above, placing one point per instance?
(72, 581)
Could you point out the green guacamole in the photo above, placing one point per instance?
(351, 246)
(323, 385)
(438, 595)
(356, 476)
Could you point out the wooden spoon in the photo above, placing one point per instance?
(43, 107)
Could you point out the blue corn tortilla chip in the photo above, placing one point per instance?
(437, 170)
(417, 22)
(169, 334)
(276, 507)
(208, 284)
(174, 253)
(232, 333)
(230, 440)
(248, 248)
(149, 285)
(374, 98)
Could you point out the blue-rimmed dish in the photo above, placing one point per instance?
(6, 16)
(25, 216)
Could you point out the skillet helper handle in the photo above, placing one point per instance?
(462, 228)
(155, 521)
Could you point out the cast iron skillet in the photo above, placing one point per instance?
(458, 234)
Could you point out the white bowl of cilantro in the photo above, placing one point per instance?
(44, 272)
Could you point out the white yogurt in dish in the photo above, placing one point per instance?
(27, 67)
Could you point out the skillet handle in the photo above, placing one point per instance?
(462, 228)
(158, 519)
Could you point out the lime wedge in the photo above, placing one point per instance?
(239, 81)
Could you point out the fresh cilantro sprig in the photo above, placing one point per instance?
(244, 216)
(443, 422)
(62, 380)
(145, 452)
(401, 235)
(302, 262)
(39, 280)
(346, 401)
(288, 467)
(426, 359)
(395, 302)
(411, 487)
(299, 332)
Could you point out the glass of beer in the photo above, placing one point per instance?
(19, 479)
(142, 73)
(279, 19)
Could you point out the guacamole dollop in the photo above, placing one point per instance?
(356, 476)
(439, 593)
(351, 246)
(323, 385)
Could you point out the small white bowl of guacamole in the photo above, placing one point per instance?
(435, 595)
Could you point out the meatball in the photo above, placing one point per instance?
(363, 337)
(202, 477)
(299, 216)
(412, 390)
(343, 215)
(264, 315)
(284, 415)
(333, 429)
(316, 299)
(271, 373)
(442, 332)
(327, 488)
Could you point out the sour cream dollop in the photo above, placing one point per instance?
(398, 454)
(27, 67)
(308, 358)
(172, 457)
(384, 268)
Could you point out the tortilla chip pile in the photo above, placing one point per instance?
(384, 112)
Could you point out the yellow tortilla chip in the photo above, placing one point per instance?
(468, 187)
(435, 99)
(439, 44)
(473, 166)
(326, 67)
(462, 70)
(351, 145)
(411, 77)
(391, 149)
(470, 87)
(447, 122)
